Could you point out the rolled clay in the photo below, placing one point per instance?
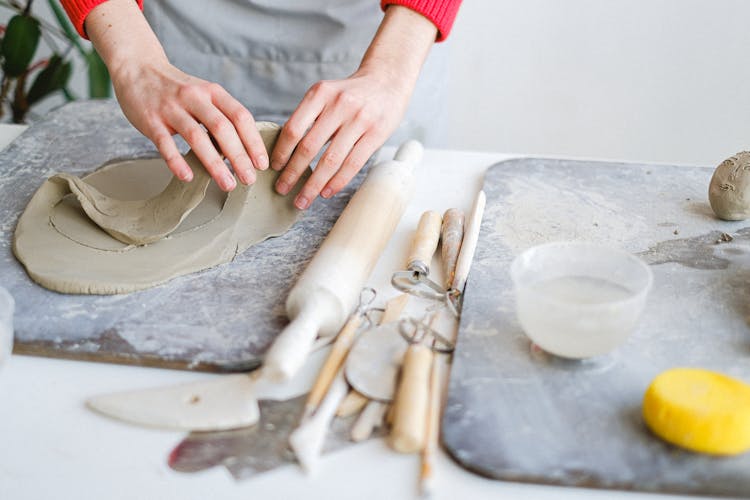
(139, 222)
(729, 190)
(63, 250)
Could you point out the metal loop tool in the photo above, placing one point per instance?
(416, 331)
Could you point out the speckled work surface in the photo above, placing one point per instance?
(515, 413)
(221, 319)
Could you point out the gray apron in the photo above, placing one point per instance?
(267, 53)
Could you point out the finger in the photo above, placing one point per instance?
(167, 148)
(320, 133)
(362, 151)
(244, 124)
(200, 143)
(302, 119)
(330, 163)
(226, 135)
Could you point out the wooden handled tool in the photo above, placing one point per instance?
(411, 404)
(469, 244)
(451, 235)
(425, 242)
(432, 430)
(411, 398)
(327, 290)
(336, 357)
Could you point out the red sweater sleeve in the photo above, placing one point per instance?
(442, 13)
(78, 10)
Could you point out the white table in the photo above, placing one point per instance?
(52, 447)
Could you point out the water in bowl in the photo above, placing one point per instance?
(551, 312)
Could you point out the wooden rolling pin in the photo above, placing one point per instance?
(327, 290)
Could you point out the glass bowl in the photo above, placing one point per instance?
(579, 300)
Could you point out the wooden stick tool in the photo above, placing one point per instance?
(341, 346)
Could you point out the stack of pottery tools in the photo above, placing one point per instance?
(392, 372)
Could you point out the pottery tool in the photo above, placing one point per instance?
(415, 279)
(228, 402)
(432, 429)
(307, 440)
(352, 404)
(412, 399)
(373, 410)
(451, 235)
(327, 290)
(340, 349)
(468, 247)
(371, 418)
(373, 363)
(411, 404)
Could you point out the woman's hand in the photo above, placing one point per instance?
(356, 115)
(160, 100)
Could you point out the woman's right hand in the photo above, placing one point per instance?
(161, 101)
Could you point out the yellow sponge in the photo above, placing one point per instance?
(699, 410)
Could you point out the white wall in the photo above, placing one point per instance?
(658, 80)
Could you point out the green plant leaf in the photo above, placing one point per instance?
(69, 96)
(51, 79)
(19, 44)
(70, 33)
(99, 83)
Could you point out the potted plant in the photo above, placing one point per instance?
(28, 79)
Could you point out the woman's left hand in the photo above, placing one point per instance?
(356, 115)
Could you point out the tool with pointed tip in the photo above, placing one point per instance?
(468, 246)
(327, 290)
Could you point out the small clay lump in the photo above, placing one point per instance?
(729, 190)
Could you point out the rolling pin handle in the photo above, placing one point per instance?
(291, 348)
(410, 152)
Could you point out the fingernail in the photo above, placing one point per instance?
(326, 193)
(301, 202)
(263, 159)
(186, 176)
(282, 187)
(229, 182)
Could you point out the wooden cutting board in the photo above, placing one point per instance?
(515, 413)
(221, 319)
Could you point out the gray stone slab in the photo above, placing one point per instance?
(221, 319)
(515, 413)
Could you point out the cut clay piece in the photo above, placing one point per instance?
(729, 190)
(139, 222)
(65, 251)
